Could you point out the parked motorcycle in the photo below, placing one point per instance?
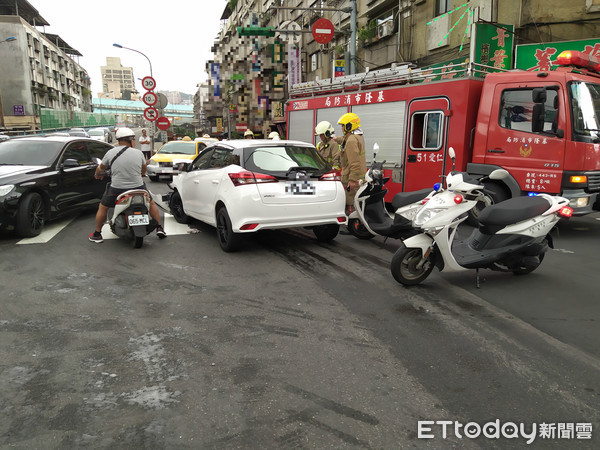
(131, 219)
(512, 236)
(371, 217)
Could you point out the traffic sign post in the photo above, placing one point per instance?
(322, 31)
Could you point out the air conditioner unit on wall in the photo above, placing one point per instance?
(385, 28)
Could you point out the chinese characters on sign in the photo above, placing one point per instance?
(541, 56)
(493, 46)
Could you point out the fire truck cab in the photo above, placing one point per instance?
(542, 127)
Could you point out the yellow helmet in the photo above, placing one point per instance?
(350, 122)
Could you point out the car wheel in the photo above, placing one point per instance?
(408, 266)
(176, 207)
(495, 193)
(31, 215)
(153, 177)
(228, 240)
(326, 233)
(358, 230)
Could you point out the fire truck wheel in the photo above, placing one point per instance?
(495, 193)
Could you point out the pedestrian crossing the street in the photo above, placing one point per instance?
(170, 225)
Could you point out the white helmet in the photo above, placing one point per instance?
(124, 134)
(325, 128)
(248, 133)
(274, 135)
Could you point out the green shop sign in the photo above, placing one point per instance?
(493, 46)
(542, 56)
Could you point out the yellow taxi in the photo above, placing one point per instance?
(160, 166)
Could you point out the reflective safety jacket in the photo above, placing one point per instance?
(330, 152)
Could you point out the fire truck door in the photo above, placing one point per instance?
(425, 143)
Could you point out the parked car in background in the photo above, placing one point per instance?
(4, 137)
(79, 132)
(244, 186)
(160, 165)
(45, 177)
(100, 134)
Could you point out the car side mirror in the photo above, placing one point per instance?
(70, 162)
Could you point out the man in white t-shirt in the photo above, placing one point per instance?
(145, 144)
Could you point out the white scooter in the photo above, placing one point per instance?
(131, 219)
(371, 217)
(512, 236)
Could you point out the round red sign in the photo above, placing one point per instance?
(150, 98)
(150, 114)
(148, 83)
(322, 31)
(163, 123)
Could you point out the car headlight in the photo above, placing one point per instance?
(153, 163)
(4, 190)
(427, 214)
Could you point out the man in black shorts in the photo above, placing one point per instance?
(127, 171)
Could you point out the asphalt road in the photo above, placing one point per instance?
(288, 344)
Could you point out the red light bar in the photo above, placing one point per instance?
(578, 59)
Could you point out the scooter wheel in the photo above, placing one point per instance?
(137, 241)
(408, 267)
(358, 230)
(528, 265)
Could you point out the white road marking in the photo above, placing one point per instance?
(171, 226)
(50, 230)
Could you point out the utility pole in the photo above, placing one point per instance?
(353, 38)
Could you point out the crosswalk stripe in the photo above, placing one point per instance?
(50, 230)
(171, 226)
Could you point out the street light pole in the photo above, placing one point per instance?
(153, 122)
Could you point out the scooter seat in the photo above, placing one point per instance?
(512, 211)
(406, 198)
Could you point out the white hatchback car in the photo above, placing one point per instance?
(243, 186)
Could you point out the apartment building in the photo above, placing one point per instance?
(42, 72)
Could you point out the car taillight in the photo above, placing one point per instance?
(243, 178)
(565, 211)
(331, 176)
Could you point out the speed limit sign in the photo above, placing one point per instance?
(150, 114)
(148, 83)
(150, 98)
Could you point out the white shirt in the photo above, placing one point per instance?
(145, 143)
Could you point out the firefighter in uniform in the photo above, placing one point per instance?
(328, 147)
(352, 156)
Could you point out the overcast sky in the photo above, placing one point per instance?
(176, 35)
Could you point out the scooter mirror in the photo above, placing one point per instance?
(451, 153)
(375, 149)
(498, 174)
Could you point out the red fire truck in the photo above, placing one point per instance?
(542, 127)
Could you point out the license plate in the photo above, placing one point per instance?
(139, 219)
(300, 187)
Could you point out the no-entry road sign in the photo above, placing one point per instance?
(322, 31)
(163, 123)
